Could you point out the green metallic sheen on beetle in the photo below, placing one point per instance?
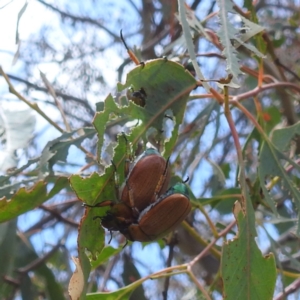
(161, 217)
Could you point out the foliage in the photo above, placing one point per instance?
(224, 112)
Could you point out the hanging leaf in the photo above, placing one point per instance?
(246, 273)
(228, 34)
(271, 165)
(58, 149)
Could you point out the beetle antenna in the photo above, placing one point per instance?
(169, 117)
(110, 237)
(125, 244)
(130, 53)
(123, 41)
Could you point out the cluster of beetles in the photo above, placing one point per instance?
(148, 213)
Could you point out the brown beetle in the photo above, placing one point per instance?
(147, 180)
(161, 217)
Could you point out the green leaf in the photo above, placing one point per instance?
(281, 137)
(224, 206)
(275, 118)
(167, 85)
(105, 254)
(270, 165)
(57, 149)
(246, 273)
(200, 123)
(15, 253)
(120, 294)
(131, 274)
(27, 199)
(8, 251)
(229, 33)
(94, 188)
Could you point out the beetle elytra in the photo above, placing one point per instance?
(161, 217)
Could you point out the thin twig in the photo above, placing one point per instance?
(38, 262)
(199, 285)
(53, 94)
(265, 87)
(66, 97)
(199, 239)
(80, 19)
(211, 244)
(34, 106)
(293, 287)
(57, 215)
(172, 244)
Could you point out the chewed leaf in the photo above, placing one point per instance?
(166, 85)
(27, 199)
(94, 188)
(251, 29)
(57, 149)
(229, 35)
(246, 273)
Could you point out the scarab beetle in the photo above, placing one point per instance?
(161, 217)
(147, 180)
